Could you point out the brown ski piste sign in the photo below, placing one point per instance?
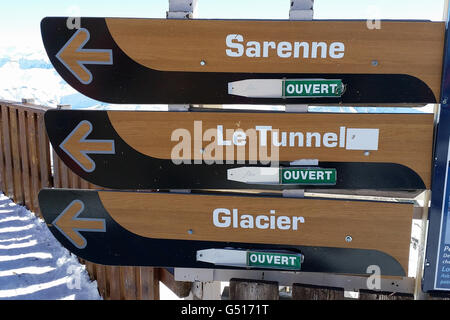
(121, 60)
(122, 149)
(85, 221)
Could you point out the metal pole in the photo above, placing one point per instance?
(180, 9)
(300, 10)
(418, 293)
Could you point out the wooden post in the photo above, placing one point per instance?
(148, 283)
(311, 292)
(370, 295)
(128, 290)
(3, 182)
(180, 288)
(205, 291)
(241, 289)
(34, 160)
(113, 278)
(6, 144)
(15, 155)
(23, 143)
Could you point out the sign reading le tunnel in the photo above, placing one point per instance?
(120, 149)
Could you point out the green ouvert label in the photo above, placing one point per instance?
(308, 176)
(312, 88)
(271, 260)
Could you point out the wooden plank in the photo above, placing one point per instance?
(44, 153)
(90, 267)
(84, 184)
(311, 292)
(101, 279)
(56, 170)
(205, 290)
(365, 221)
(113, 279)
(33, 159)
(3, 184)
(15, 153)
(74, 181)
(404, 139)
(26, 174)
(64, 174)
(241, 289)
(148, 283)
(180, 288)
(154, 44)
(7, 152)
(128, 283)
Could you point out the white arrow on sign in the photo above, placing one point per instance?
(75, 58)
(78, 147)
(70, 225)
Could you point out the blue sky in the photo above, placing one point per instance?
(19, 19)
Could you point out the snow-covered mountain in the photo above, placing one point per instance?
(28, 73)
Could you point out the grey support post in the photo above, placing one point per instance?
(300, 10)
(181, 9)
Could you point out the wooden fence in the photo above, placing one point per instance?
(28, 164)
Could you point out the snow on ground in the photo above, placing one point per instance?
(33, 265)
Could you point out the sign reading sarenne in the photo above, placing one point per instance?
(237, 46)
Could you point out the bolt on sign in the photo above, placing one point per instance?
(248, 62)
(129, 150)
(261, 231)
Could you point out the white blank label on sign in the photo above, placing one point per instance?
(362, 139)
(257, 88)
